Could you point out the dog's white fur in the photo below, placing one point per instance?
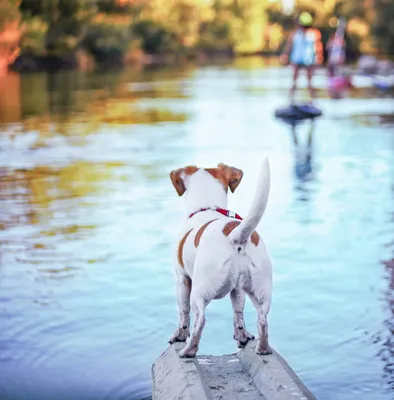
(221, 264)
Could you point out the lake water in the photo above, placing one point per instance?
(88, 220)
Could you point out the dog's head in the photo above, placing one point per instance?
(228, 177)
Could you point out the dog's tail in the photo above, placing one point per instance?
(242, 232)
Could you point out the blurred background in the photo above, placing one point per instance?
(99, 101)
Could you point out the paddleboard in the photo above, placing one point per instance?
(298, 112)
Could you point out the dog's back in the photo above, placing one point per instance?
(217, 237)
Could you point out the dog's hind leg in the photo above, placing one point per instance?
(183, 292)
(262, 306)
(198, 308)
(241, 335)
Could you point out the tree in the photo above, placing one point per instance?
(66, 20)
(383, 28)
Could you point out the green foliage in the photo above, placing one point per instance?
(276, 16)
(107, 36)
(383, 28)
(34, 37)
(377, 16)
(155, 38)
(184, 22)
(74, 12)
(216, 35)
(105, 27)
(66, 21)
(111, 6)
(352, 9)
(9, 12)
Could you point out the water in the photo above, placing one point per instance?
(88, 218)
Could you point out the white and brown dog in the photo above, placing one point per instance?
(219, 253)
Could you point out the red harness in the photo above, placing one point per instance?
(222, 211)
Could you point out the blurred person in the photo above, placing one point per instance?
(336, 47)
(338, 80)
(304, 50)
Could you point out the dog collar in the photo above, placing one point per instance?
(222, 211)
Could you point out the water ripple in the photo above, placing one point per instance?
(88, 218)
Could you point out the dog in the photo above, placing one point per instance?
(218, 253)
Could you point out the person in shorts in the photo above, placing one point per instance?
(304, 50)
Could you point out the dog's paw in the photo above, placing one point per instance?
(265, 351)
(242, 336)
(180, 335)
(188, 352)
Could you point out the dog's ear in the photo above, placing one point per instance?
(232, 176)
(177, 181)
(177, 177)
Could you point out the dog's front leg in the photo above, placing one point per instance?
(183, 292)
(241, 335)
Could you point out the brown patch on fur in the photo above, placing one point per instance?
(232, 176)
(230, 226)
(255, 238)
(190, 170)
(180, 249)
(229, 177)
(200, 232)
(217, 175)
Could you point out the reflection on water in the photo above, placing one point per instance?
(387, 350)
(88, 218)
(303, 152)
(303, 165)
